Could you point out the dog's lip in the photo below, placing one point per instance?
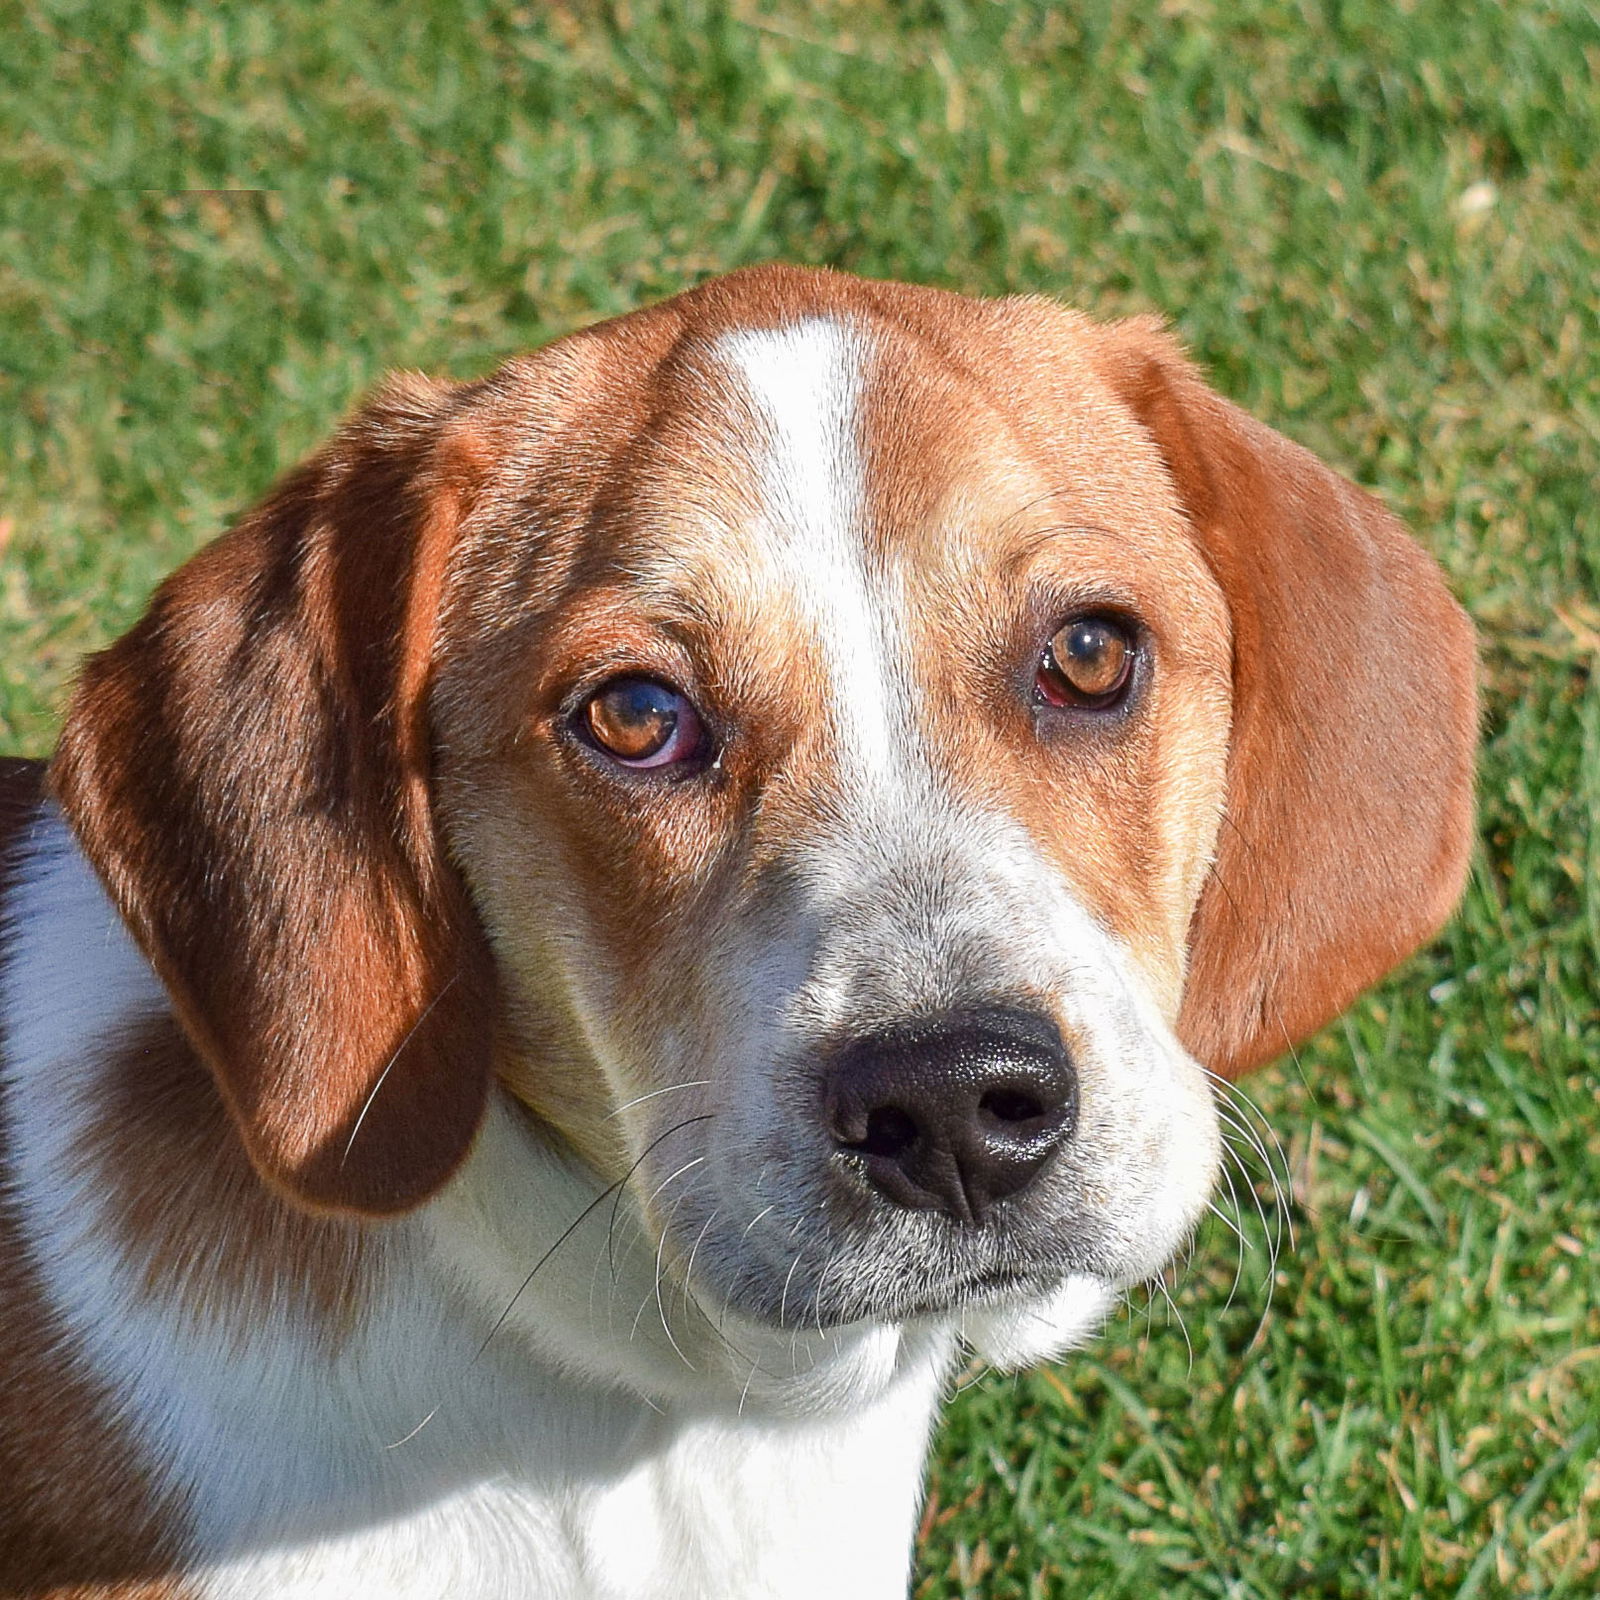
(988, 1289)
(971, 1289)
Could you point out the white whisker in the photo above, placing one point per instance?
(639, 1100)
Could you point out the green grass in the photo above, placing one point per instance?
(1378, 223)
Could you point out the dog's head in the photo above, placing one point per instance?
(848, 759)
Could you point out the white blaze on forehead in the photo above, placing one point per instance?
(806, 380)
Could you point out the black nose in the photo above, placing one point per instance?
(954, 1112)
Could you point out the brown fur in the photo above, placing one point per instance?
(423, 504)
(191, 1173)
(1030, 496)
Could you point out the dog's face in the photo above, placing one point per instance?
(844, 781)
(829, 695)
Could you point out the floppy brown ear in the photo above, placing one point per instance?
(1349, 812)
(248, 770)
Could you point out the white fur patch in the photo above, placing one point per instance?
(806, 379)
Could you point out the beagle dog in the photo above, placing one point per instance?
(634, 909)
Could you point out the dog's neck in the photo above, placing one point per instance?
(307, 1398)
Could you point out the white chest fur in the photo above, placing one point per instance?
(694, 1510)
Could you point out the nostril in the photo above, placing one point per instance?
(890, 1132)
(1011, 1105)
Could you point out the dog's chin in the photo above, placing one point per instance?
(828, 1372)
(840, 1367)
(1021, 1333)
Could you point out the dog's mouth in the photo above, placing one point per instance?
(981, 1290)
(882, 1275)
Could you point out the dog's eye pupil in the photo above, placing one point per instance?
(1087, 663)
(642, 722)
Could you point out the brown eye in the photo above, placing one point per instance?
(643, 723)
(1088, 663)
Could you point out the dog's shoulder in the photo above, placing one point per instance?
(57, 1427)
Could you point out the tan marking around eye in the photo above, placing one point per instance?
(1003, 480)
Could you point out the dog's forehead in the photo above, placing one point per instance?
(744, 445)
(830, 491)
